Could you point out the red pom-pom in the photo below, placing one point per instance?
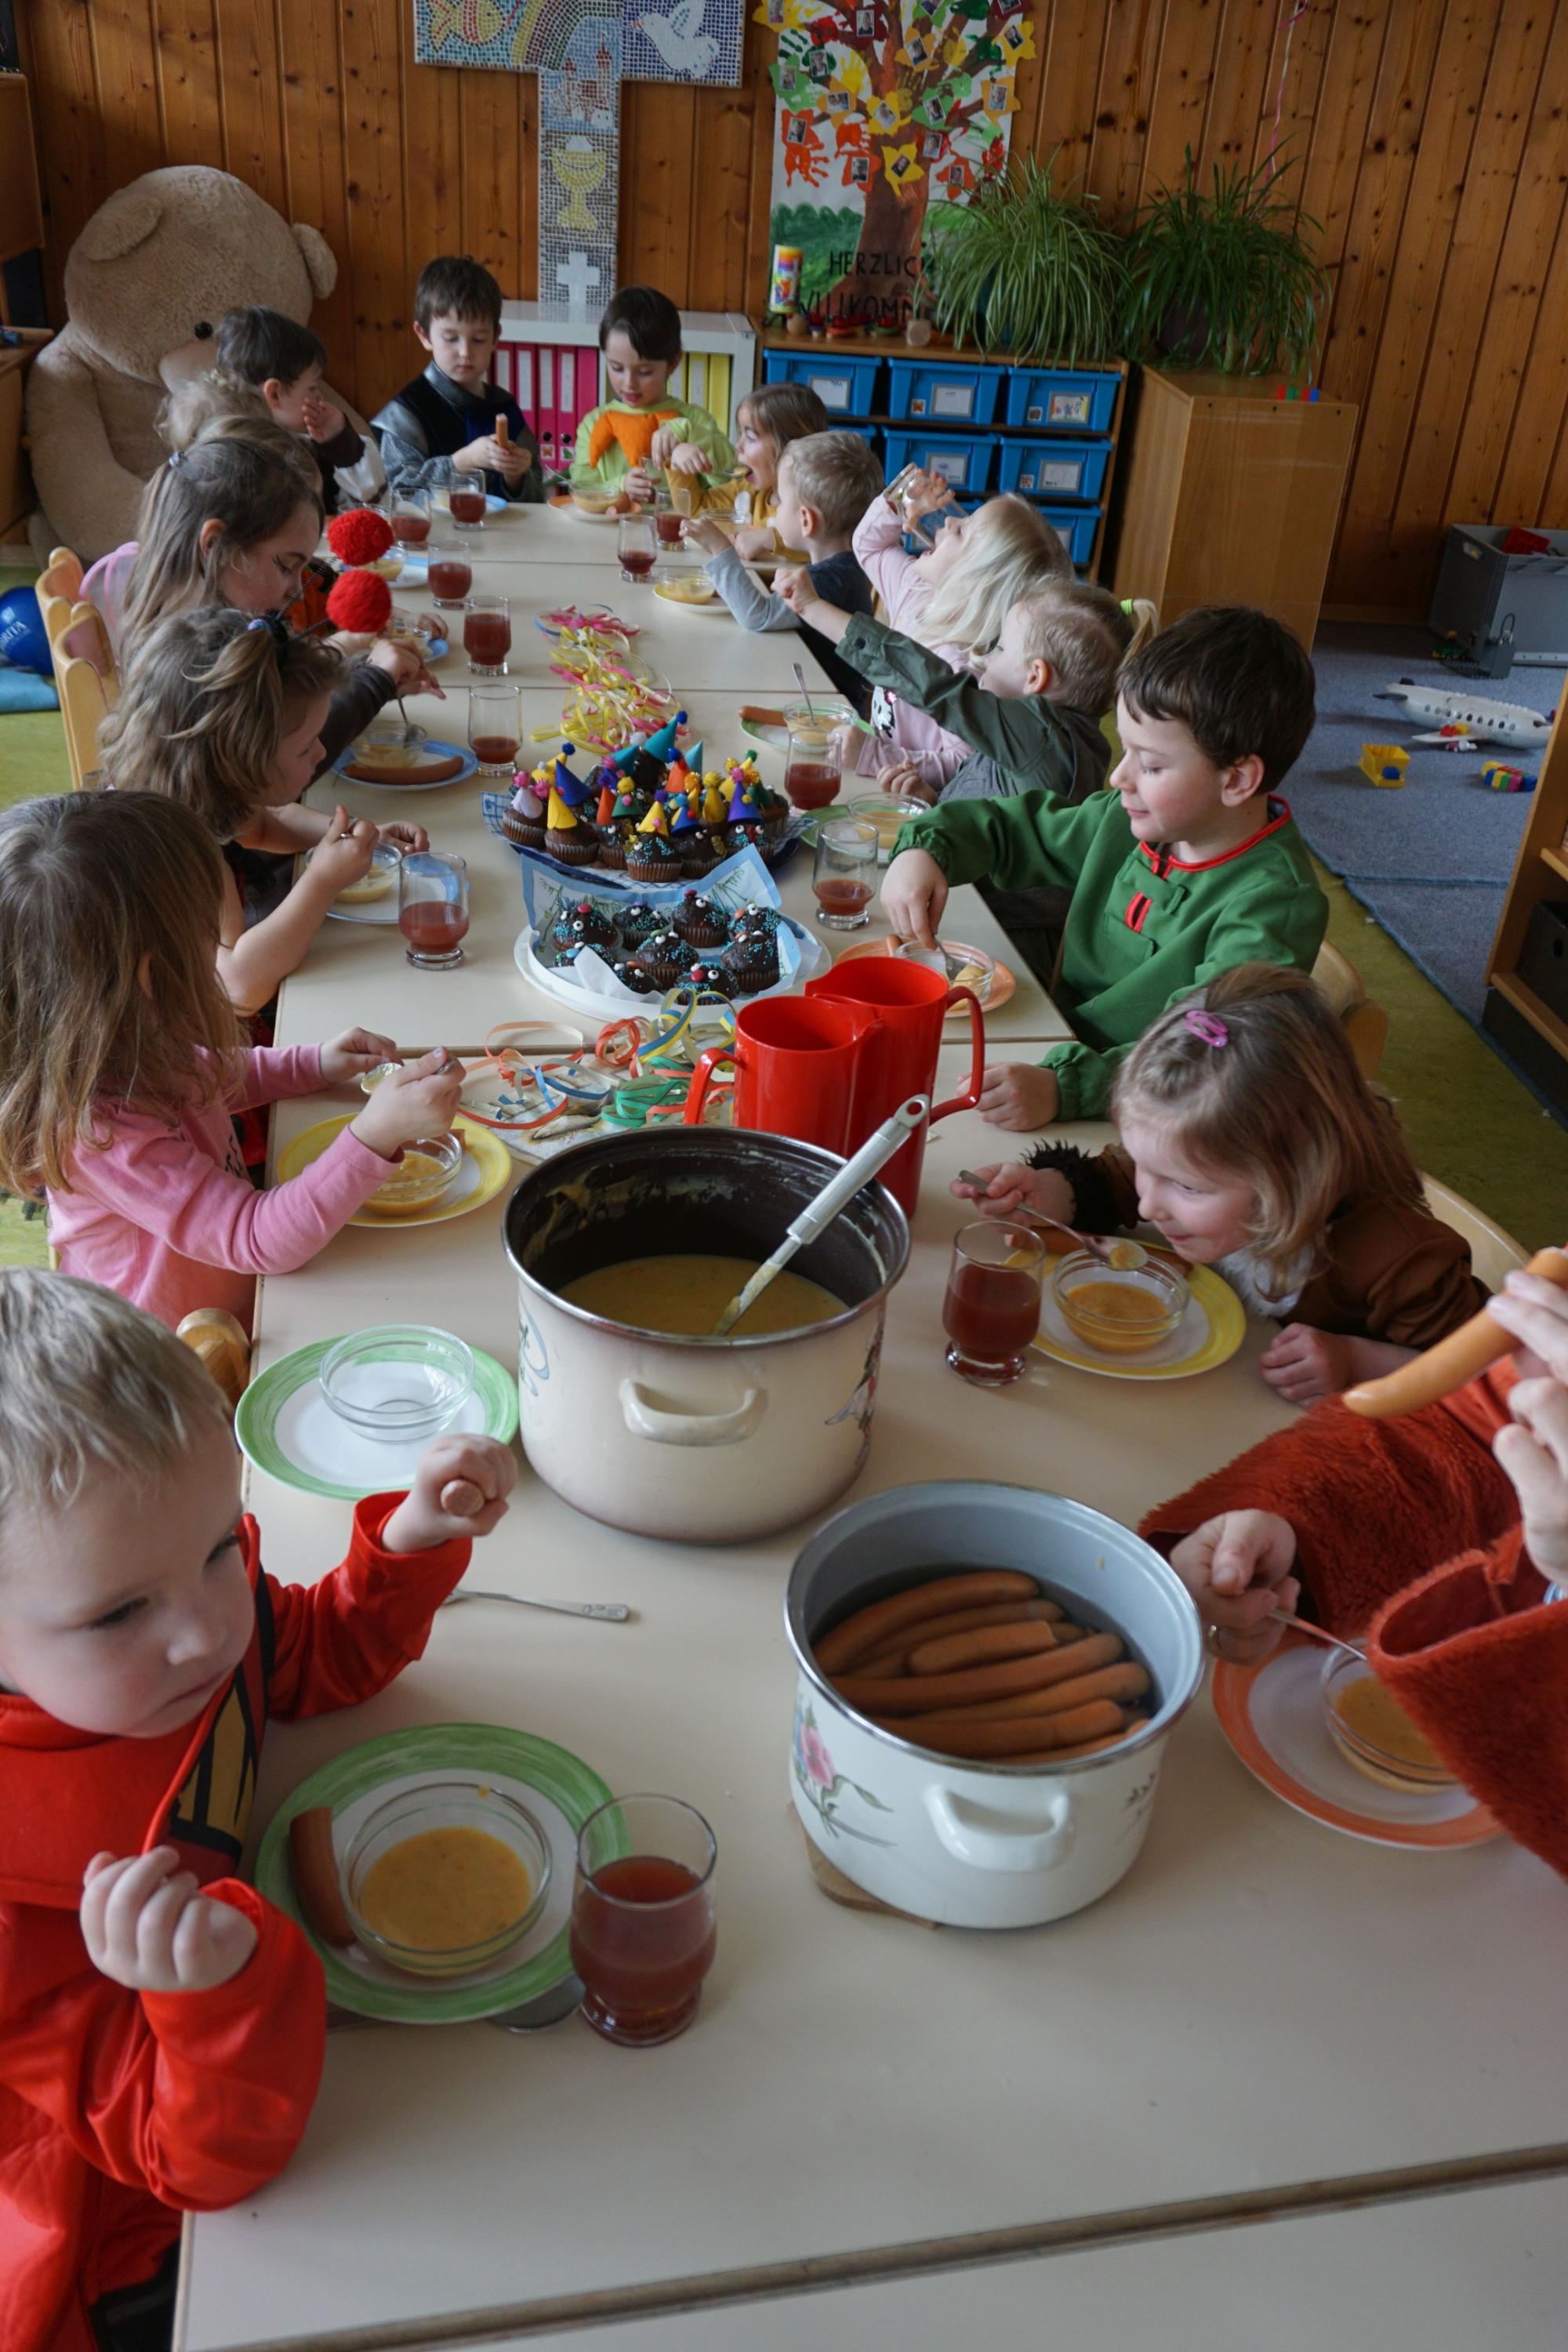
(359, 536)
(360, 602)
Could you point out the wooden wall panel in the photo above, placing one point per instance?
(1428, 139)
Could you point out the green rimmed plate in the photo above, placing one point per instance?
(558, 1789)
(285, 1427)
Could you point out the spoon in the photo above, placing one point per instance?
(613, 1612)
(805, 691)
(835, 1195)
(1283, 1617)
(1123, 1257)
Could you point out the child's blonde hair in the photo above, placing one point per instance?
(1083, 633)
(838, 473)
(204, 705)
(1254, 1077)
(1008, 548)
(236, 469)
(782, 413)
(90, 1386)
(95, 890)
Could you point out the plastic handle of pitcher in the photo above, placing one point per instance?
(646, 1419)
(969, 1097)
(701, 1078)
(975, 1840)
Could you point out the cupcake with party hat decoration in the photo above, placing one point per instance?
(522, 819)
(649, 857)
(568, 840)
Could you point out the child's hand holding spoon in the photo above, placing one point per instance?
(1008, 1190)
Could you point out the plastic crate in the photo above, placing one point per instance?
(1072, 400)
(1055, 470)
(964, 459)
(846, 386)
(1075, 527)
(943, 391)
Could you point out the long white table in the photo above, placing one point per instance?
(1261, 2003)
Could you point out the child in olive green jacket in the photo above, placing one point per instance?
(1187, 865)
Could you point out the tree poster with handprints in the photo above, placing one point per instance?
(884, 108)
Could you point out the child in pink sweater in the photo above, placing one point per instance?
(122, 1060)
(953, 599)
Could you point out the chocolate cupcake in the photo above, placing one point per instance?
(700, 853)
(523, 820)
(630, 974)
(612, 846)
(650, 858)
(636, 921)
(663, 957)
(701, 923)
(749, 922)
(588, 924)
(712, 979)
(752, 963)
(574, 843)
(746, 837)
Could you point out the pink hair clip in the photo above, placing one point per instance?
(1208, 1027)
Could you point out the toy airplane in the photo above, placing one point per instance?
(1466, 718)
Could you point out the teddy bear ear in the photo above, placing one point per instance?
(319, 261)
(121, 224)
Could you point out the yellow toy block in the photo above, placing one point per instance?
(1385, 763)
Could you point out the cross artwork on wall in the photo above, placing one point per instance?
(583, 51)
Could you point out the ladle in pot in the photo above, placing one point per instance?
(835, 1195)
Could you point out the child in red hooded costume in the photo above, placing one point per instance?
(1472, 1491)
(161, 2026)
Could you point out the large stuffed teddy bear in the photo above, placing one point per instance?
(146, 283)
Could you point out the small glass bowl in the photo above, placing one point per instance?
(1378, 1747)
(1157, 1300)
(889, 815)
(381, 882)
(385, 734)
(967, 967)
(398, 1381)
(414, 1184)
(454, 1804)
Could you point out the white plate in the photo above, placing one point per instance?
(447, 750)
(319, 1442)
(382, 910)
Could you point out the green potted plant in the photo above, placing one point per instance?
(1025, 267)
(1223, 280)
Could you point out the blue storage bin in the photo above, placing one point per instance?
(1075, 527)
(846, 386)
(1075, 400)
(962, 459)
(943, 391)
(1055, 470)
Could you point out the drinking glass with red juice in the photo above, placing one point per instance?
(495, 727)
(467, 506)
(992, 1310)
(432, 909)
(411, 516)
(634, 546)
(845, 877)
(814, 764)
(487, 635)
(642, 1917)
(451, 577)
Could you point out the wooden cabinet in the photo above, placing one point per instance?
(1534, 1033)
(1230, 496)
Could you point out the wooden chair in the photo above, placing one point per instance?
(1364, 1022)
(62, 576)
(219, 1343)
(88, 694)
(1494, 1253)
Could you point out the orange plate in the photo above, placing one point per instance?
(1003, 983)
(1272, 1716)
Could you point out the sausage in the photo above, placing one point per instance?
(1126, 1681)
(979, 1649)
(1459, 1359)
(966, 1621)
(503, 433)
(953, 1736)
(314, 1866)
(872, 1628)
(921, 1694)
(1100, 1654)
(1085, 1747)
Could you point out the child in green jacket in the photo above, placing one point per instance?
(644, 429)
(1187, 865)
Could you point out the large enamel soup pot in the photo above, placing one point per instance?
(712, 1441)
(982, 1844)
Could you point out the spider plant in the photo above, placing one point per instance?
(1224, 280)
(1026, 266)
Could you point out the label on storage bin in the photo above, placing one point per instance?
(1061, 476)
(953, 400)
(953, 465)
(1066, 409)
(833, 390)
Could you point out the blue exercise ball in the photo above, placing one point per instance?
(24, 643)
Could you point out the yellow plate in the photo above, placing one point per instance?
(486, 1169)
(1208, 1335)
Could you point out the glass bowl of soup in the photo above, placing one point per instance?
(445, 1875)
(1122, 1310)
(1372, 1730)
(425, 1172)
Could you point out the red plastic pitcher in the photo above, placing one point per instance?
(795, 1069)
(897, 1057)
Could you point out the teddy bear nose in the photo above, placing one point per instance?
(201, 331)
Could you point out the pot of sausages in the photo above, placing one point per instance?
(987, 1677)
(627, 1251)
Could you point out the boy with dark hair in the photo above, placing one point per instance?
(268, 352)
(1186, 866)
(643, 428)
(443, 424)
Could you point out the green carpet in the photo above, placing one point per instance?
(1470, 1120)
